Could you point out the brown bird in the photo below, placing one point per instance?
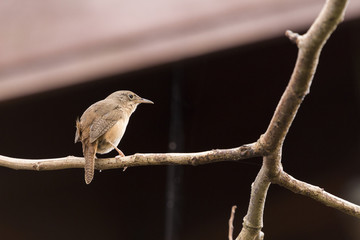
(103, 124)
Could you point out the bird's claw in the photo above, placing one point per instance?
(118, 157)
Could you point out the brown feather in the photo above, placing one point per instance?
(77, 133)
(102, 124)
(89, 150)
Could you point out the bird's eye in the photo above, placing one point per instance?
(131, 96)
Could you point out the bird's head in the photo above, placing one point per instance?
(128, 99)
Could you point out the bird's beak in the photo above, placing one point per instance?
(143, 100)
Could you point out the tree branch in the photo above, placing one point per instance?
(219, 155)
(310, 46)
(253, 221)
(319, 194)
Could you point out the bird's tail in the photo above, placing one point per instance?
(89, 150)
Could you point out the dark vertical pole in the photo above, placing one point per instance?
(174, 173)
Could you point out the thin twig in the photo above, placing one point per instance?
(231, 222)
(294, 37)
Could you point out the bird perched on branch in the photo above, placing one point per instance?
(103, 124)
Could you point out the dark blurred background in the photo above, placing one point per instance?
(227, 99)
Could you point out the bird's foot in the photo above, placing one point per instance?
(120, 156)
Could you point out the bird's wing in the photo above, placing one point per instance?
(103, 123)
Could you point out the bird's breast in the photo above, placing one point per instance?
(113, 135)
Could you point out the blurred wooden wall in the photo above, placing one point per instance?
(46, 44)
